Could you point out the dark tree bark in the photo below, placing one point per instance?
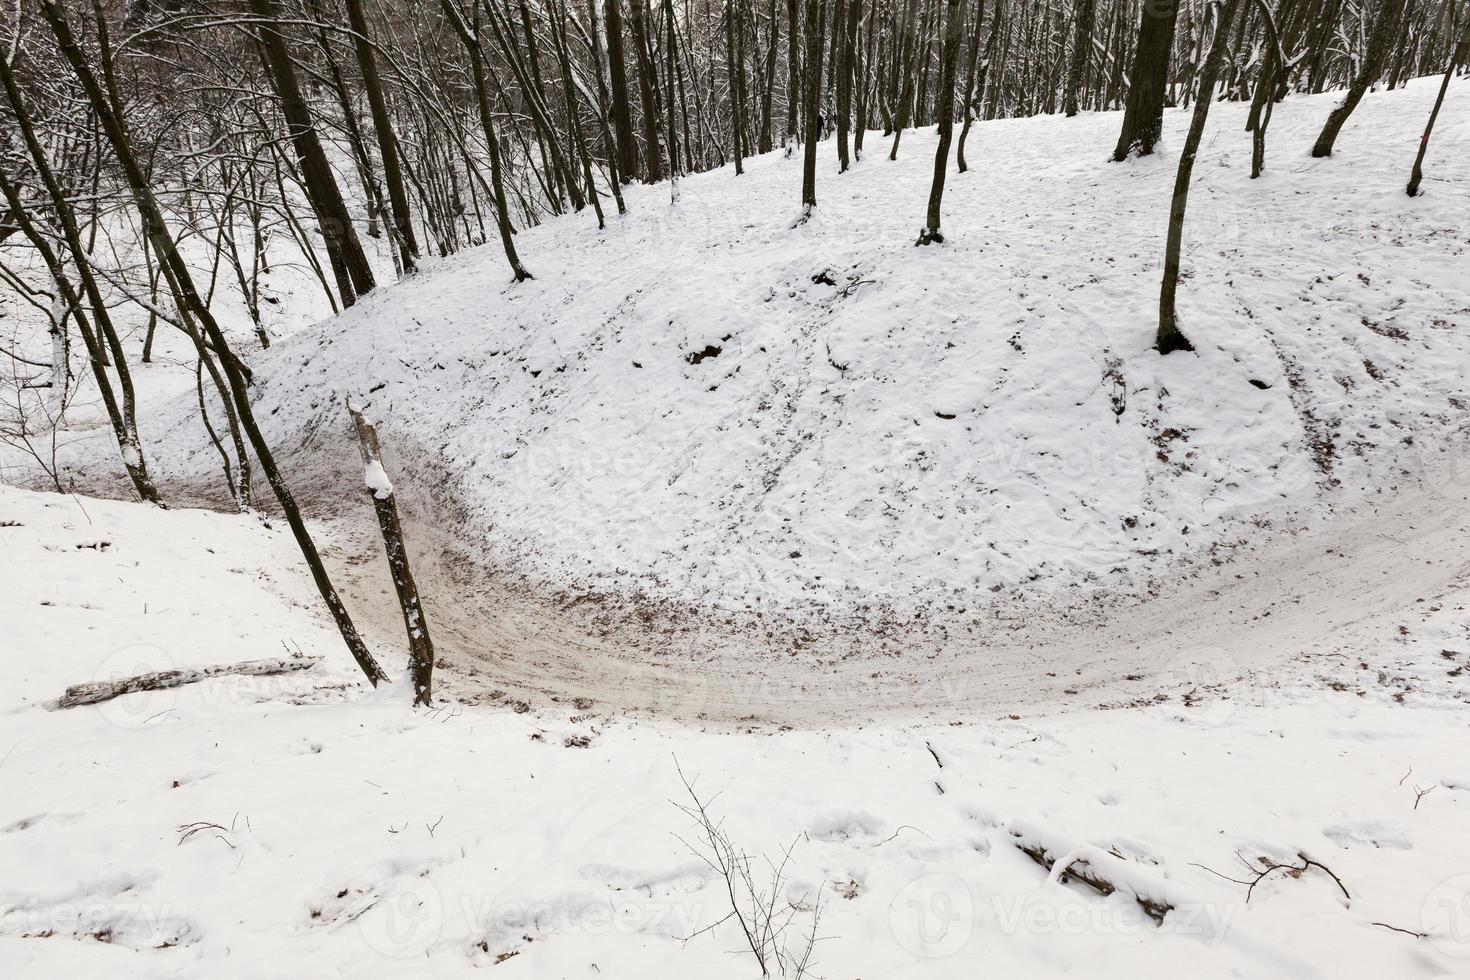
(471, 42)
(975, 83)
(954, 31)
(816, 23)
(793, 75)
(1170, 337)
(1461, 56)
(848, 15)
(647, 92)
(1081, 53)
(1143, 116)
(385, 505)
(1380, 44)
(622, 111)
(907, 70)
(615, 178)
(1261, 107)
(735, 69)
(354, 275)
(186, 295)
(408, 246)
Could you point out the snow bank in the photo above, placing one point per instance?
(704, 402)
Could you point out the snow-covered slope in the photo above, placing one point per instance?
(706, 402)
(296, 826)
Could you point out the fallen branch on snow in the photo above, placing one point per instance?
(95, 692)
(1098, 869)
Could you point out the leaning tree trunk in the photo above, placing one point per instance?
(470, 39)
(408, 246)
(385, 505)
(944, 107)
(1143, 116)
(123, 416)
(1170, 337)
(1460, 57)
(1380, 45)
(186, 295)
(354, 275)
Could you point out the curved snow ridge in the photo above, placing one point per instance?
(706, 403)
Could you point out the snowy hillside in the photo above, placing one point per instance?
(705, 403)
(299, 826)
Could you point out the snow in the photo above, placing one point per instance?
(706, 404)
(677, 409)
(339, 833)
(376, 480)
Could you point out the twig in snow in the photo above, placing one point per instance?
(1407, 932)
(753, 906)
(901, 830)
(1296, 871)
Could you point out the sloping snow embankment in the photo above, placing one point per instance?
(706, 403)
(291, 827)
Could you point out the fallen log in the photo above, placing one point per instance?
(95, 692)
(1098, 869)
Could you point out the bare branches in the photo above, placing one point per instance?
(758, 901)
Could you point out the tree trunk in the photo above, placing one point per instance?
(816, 22)
(1170, 337)
(622, 111)
(954, 24)
(845, 24)
(1143, 117)
(1081, 51)
(181, 283)
(354, 275)
(470, 41)
(408, 246)
(647, 92)
(1385, 34)
(905, 71)
(1460, 57)
(385, 505)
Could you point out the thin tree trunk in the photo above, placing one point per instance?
(385, 505)
(408, 246)
(954, 29)
(181, 283)
(1081, 51)
(354, 275)
(622, 111)
(816, 22)
(1460, 57)
(1170, 337)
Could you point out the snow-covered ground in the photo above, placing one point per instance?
(297, 826)
(704, 403)
(1190, 628)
